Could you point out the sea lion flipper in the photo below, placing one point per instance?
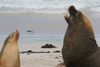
(60, 65)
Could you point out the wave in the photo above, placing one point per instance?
(46, 6)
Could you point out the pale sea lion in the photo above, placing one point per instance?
(9, 56)
(79, 47)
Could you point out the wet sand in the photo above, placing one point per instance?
(41, 23)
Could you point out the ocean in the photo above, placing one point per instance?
(46, 6)
(44, 17)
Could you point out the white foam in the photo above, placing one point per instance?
(96, 9)
(46, 6)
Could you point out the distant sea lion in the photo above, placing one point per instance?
(9, 56)
(79, 47)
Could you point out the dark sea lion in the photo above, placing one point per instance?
(79, 47)
(9, 56)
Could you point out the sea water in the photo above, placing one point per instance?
(46, 6)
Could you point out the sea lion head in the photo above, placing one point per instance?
(77, 20)
(13, 37)
(76, 17)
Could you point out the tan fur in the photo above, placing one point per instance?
(87, 22)
(10, 53)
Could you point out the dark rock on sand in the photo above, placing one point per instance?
(30, 31)
(56, 51)
(56, 57)
(30, 51)
(48, 46)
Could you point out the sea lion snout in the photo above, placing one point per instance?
(16, 31)
(75, 15)
(17, 34)
(72, 10)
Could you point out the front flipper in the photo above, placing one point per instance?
(60, 65)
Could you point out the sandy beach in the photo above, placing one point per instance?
(39, 59)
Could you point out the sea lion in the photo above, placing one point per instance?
(9, 56)
(79, 46)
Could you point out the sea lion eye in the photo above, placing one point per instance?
(12, 35)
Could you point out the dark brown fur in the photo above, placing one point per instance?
(79, 47)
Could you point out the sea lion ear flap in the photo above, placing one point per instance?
(66, 18)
